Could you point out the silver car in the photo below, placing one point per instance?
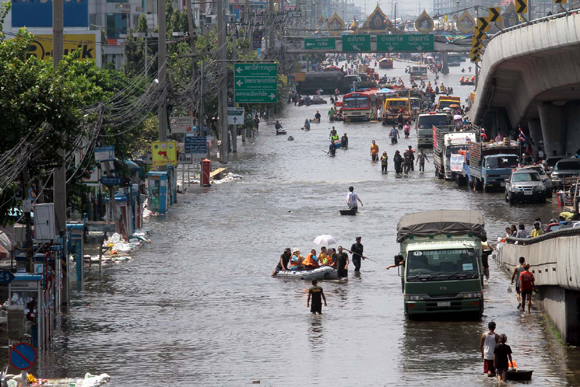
(525, 185)
(565, 170)
(544, 176)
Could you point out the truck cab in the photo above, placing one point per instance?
(440, 263)
(497, 168)
(424, 126)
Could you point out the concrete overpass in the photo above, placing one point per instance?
(530, 76)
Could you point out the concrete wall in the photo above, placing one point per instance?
(572, 119)
(555, 263)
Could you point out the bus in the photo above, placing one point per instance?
(418, 73)
(359, 104)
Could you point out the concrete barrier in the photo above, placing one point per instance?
(555, 262)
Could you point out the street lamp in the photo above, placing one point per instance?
(395, 16)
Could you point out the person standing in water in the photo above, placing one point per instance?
(357, 253)
(421, 158)
(487, 345)
(317, 295)
(344, 141)
(517, 271)
(384, 162)
(352, 199)
(374, 151)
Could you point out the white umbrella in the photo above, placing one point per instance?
(325, 240)
(457, 117)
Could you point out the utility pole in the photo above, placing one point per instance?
(223, 91)
(162, 52)
(193, 58)
(235, 127)
(475, 63)
(59, 174)
(272, 37)
(249, 35)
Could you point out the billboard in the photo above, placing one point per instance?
(38, 13)
(88, 45)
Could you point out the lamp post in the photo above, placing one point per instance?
(395, 16)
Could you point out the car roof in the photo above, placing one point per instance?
(524, 170)
(570, 159)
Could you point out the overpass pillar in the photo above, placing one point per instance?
(535, 127)
(553, 130)
(444, 63)
(572, 111)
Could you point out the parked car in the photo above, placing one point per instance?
(544, 176)
(525, 185)
(551, 163)
(565, 169)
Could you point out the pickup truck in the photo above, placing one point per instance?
(448, 155)
(487, 165)
(440, 263)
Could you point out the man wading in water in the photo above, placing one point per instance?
(352, 199)
(317, 295)
(357, 251)
(487, 345)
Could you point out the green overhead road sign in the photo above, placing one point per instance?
(356, 43)
(405, 43)
(256, 83)
(319, 43)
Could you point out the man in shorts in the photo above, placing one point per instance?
(487, 344)
(501, 354)
(517, 271)
(317, 295)
(526, 287)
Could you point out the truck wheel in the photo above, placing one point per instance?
(543, 199)
(478, 184)
(461, 180)
(549, 193)
(511, 198)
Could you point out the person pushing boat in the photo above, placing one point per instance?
(352, 199)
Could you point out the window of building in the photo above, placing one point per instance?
(116, 25)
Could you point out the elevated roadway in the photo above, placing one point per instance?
(530, 76)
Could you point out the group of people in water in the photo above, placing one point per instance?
(403, 163)
(292, 259)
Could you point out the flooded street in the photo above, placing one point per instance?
(198, 306)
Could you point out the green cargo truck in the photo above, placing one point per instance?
(440, 262)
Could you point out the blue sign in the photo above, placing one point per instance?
(111, 180)
(38, 13)
(105, 153)
(6, 277)
(196, 145)
(22, 356)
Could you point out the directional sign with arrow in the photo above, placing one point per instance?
(319, 43)
(494, 14)
(521, 6)
(474, 58)
(256, 83)
(356, 43)
(560, 1)
(483, 24)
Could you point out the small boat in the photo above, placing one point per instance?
(320, 273)
(351, 211)
(280, 131)
(337, 145)
(519, 375)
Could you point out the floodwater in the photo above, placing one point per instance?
(198, 306)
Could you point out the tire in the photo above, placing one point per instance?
(549, 193)
(478, 184)
(511, 198)
(543, 199)
(506, 197)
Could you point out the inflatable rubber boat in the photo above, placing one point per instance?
(320, 273)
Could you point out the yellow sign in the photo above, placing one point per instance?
(474, 58)
(164, 153)
(521, 6)
(494, 14)
(41, 47)
(483, 24)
